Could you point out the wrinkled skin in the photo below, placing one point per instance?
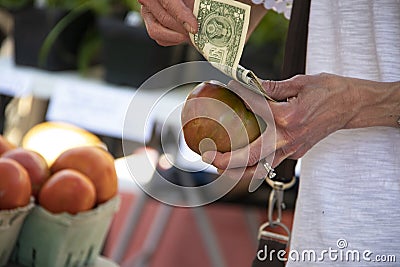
(169, 22)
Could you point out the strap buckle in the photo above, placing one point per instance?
(276, 204)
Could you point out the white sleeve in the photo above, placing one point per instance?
(280, 6)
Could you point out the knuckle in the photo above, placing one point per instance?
(164, 3)
(324, 75)
(222, 162)
(253, 159)
(162, 18)
(172, 9)
(270, 86)
(297, 78)
(325, 78)
(152, 33)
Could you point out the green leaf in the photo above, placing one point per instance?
(14, 4)
(55, 32)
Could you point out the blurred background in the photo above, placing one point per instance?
(79, 62)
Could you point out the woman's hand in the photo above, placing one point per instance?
(316, 106)
(168, 22)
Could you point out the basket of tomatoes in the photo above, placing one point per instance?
(15, 201)
(75, 200)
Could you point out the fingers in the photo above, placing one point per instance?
(177, 10)
(256, 172)
(165, 18)
(182, 13)
(162, 35)
(282, 90)
(262, 147)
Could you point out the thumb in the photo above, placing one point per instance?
(281, 90)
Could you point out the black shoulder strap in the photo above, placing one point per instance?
(294, 61)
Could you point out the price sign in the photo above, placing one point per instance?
(96, 107)
(14, 84)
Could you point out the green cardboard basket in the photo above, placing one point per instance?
(10, 225)
(61, 240)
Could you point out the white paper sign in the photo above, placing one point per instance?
(96, 107)
(14, 84)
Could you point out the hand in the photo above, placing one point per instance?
(316, 106)
(169, 21)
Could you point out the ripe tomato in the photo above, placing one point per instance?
(214, 117)
(94, 162)
(67, 191)
(15, 186)
(34, 164)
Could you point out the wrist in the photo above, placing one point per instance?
(376, 104)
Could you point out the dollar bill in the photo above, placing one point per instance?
(223, 26)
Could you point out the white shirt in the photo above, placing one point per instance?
(350, 181)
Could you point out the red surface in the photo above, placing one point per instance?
(181, 243)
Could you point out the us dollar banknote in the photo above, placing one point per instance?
(223, 26)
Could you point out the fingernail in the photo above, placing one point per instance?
(188, 28)
(208, 157)
(219, 171)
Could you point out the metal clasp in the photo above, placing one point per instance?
(276, 198)
(276, 202)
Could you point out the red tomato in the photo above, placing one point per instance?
(94, 162)
(34, 164)
(214, 117)
(15, 186)
(67, 191)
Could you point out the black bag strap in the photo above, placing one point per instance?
(294, 61)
